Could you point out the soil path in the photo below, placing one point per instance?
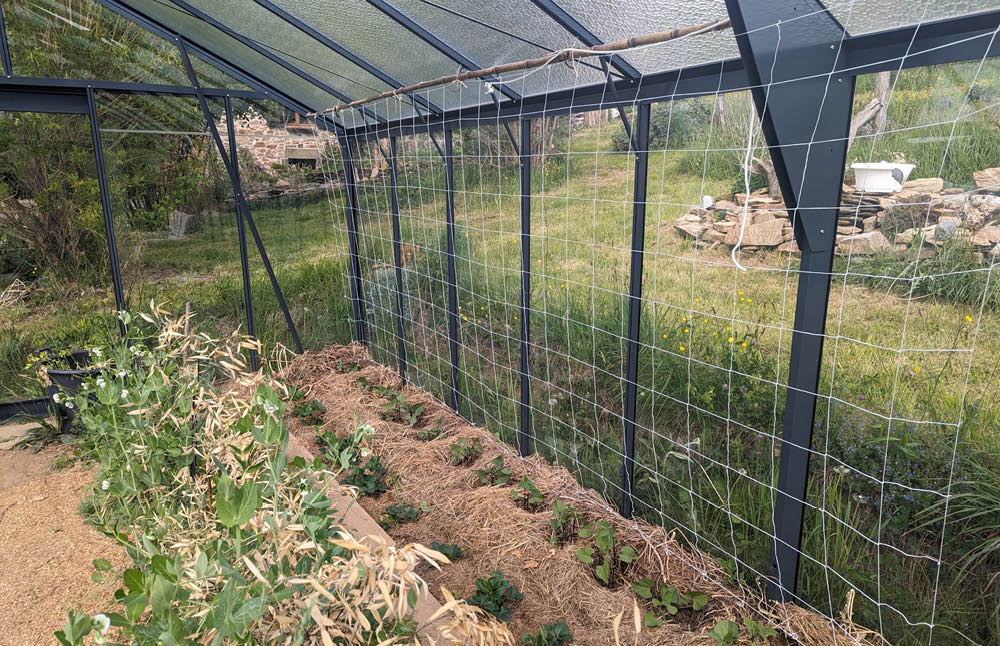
(46, 550)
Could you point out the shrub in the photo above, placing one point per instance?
(671, 125)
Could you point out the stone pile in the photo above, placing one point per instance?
(867, 223)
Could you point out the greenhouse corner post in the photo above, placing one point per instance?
(241, 229)
(640, 148)
(524, 150)
(8, 69)
(397, 257)
(804, 107)
(240, 198)
(453, 342)
(109, 224)
(354, 247)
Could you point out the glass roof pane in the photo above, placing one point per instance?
(612, 20)
(298, 48)
(488, 47)
(880, 15)
(211, 76)
(83, 40)
(371, 34)
(236, 53)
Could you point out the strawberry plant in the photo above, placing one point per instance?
(613, 559)
(759, 631)
(398, 514)
(451, 550)
(667, 602)
(310, 412)
(463, 451)
(297, 395)
(398, 409)
(725, 632)
(527, 496)
(565, 522)
(549, 635)
(496, 595)
(369, 477)
(494, 473)
(342, 367)
(428, 434)
(363, 384)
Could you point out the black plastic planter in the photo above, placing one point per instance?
(69, 380)
(25, 408)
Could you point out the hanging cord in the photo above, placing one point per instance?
(751, 145)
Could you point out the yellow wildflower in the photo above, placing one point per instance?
(916, 368)
(682, 348)
(730, 339)
(968, 319)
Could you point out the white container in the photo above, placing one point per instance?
(881, 177)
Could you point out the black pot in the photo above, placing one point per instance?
(69, 380)
(25, 408)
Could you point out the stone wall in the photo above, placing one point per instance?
(941, 214)
(269, 146)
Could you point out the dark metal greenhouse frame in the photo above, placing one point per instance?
(805, 112)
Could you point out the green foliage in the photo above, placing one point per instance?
(565, 522)
(398, 409)
(527, 495)
(428, 434)
(310, 412)
(494, 473)
(398, 514)
(759, 631)
(757, 182)
(496, 595)
(342, 367)
(451, 550)
(667, 601)
(462, 451)
(369, 477)
(556, 634)
(672, 125)
(725, 632)
(608, 559)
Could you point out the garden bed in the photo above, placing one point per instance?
(496, 533)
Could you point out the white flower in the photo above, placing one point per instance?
(367, 429)
(270, 408)
(135, 350)
(57, 397)
(102, 623)
(303, 483)
(365, 453)
(122, 373)
(86, 386)
(124, 393)
(553, 401)
(69, 404)
(101, 383)
(105, 485)
(97, 353)
(842, 470)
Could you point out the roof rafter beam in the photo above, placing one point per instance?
(587, 37)
(438, 44)
(213, 59)
(319, 36)
(266, 53)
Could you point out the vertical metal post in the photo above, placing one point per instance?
(397, 257)
(241, 229)
(238, 192)
(109, 224)
(8, 69)
(524, 431)
(790, 50)
(641, 151)
(449, 174)
(354, 247)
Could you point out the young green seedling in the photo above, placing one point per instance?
(494, 473)
(463, 452)
(428, 434)
(451, 550)
(612, 558)
(496, 595)
(668, 602)
(759, 631)
(725, 632)
(310, 412)
(549, 635)
(399, 514)
(565, 522)
(527, 495)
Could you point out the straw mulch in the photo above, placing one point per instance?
(496, 534)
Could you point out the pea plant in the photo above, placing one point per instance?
(463, 451)
(565, 522)
(494, 473)
(608, 558)
(557, 634)
(667, 601)
(527, 496)
(496, 595)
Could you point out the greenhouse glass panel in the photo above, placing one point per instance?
(83, 40)
(879, 15)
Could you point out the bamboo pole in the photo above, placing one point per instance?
(548, 59)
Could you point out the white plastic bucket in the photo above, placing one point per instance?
(881, 177)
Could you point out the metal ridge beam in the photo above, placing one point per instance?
(319, 36)
(576, 28)
(417, 30)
